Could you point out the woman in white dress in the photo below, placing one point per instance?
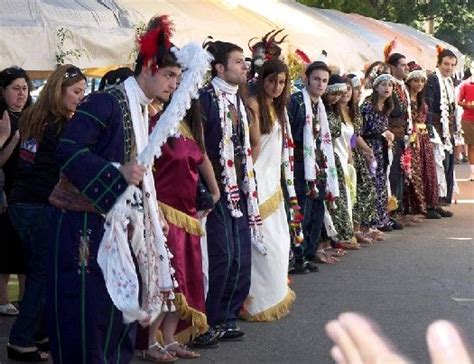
(270, 298)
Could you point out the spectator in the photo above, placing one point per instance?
(15, 87)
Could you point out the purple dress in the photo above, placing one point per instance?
(374, 124)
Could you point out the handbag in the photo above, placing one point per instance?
(204, 199)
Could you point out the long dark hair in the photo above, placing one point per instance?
(335, 108)
(420, 96)
(272, 68)
(352, 104)
(388, 105)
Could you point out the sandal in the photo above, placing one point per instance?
(350, 245)
(362, 238)
(324, 258)
(32, 356)
(182, 351)
(8, 310)
(336, 252)
(376, 234)
(157, 354)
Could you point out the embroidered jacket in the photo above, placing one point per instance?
(97, 136)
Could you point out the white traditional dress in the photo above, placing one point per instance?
(342, 147)
(270, 298)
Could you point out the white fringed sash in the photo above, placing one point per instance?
(311, 168)
(148, 241)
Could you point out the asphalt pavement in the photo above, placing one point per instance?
(416, 276)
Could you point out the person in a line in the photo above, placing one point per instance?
(441, 100)
(92, 316)
(233, 228)
(315, 170)
(270, 298)
(374, 111)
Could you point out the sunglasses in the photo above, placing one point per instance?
(73, 72)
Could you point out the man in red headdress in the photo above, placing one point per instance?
(97, 152)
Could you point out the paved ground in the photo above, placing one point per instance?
(416, 276)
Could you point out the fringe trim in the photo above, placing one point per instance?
(197, 319)
(180, 219)
(392, 203)
(273, 313)
(271, 205)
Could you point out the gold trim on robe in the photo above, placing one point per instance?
(271, 205)
(181, 220)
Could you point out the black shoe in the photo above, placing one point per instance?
(232, 335)
(396, 225)
(432, 214)
(443, 202)
(386, 228)
(312, 266)
(230, 332)
(443, 213)
(300, 268)
(208, 340)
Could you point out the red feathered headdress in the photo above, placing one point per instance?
(155, 42)
(304, 57)
(388, 49)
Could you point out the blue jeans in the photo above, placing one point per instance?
(31, 223)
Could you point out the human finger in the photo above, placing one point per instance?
(344, 342)
(369, 340)
(337, 356)
(446, 345)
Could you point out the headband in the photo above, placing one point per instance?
(381, 78)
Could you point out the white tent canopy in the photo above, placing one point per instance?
(29, 33)
(102, 32)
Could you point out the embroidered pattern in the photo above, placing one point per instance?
(84, 252)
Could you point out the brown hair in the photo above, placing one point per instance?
(271, 69)
(420, 96)
(388, 105)
(221, 52)
(352, 105)
(50, 100)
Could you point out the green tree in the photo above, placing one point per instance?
(452, 20)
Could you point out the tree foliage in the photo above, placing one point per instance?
(453, 20)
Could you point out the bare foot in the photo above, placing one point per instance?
(182, 351)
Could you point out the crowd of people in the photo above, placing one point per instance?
(259, 176)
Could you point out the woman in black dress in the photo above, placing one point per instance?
(14, 98)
